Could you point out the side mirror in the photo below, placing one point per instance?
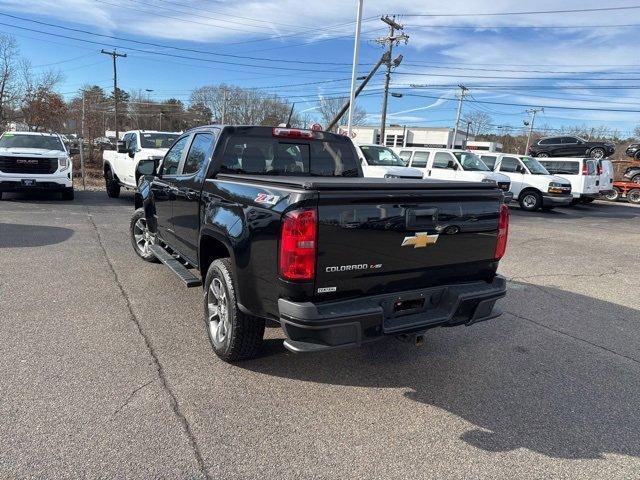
(147, 167)
(452, 165)
(131, 153)
(520, 169)
(121, 146)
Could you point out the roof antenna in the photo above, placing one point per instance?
(288, 125)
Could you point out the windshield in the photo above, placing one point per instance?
(534, 166)
(158, 140)
(381, 156)
(471, 162)
(9, 140)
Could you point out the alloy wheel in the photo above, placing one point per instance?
(144, 239)
(218, 313)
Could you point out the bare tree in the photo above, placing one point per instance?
(330, 107)
(9, 75)
(636, 133)
(479, 122)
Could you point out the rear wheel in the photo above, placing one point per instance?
(68, 194)
(613, 195)
(233, 334)
(530, 201)
(636, 178)
(597, 153)
(141, 237)
(587, 200)
(543, 155)
(633, 195)
(111, 184)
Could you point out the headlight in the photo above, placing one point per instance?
(388, 175)
(64, 163)
(556, 187)
(488, 180)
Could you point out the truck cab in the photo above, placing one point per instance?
(531, 184)
(120, 165)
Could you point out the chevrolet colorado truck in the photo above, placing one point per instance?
(119, 165)
(282, 229)
(31, 161)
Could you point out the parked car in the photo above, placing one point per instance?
(104, 143)
(119, 166)
(571, 147)
(605, 176)
(582, 173)
(282, 229)
(451, 164)
(633, 151)
(35, 161)
(382, 162)
(531, 184)
(632, 174)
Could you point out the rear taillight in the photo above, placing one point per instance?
(298, 245)
(600, 169)
(585, 169)
(292, 133)
(503, 232)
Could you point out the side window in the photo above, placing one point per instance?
(420, 159)
(550, 141)
(126, 139)
(405, 155)
(174, 155)
(509, 164)
(569, 140)
(442, 159)
(133, 142)
(489, 161)
(591, 167)
(198, 154)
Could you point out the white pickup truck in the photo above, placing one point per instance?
(31, 161)
(120, 165)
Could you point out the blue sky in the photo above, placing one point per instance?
(554, 60)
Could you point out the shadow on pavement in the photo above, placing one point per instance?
(520, 385)
(83, 197)
(16, 235)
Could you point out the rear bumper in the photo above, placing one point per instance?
(556, 200)
(315, 327)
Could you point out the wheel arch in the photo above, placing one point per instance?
(526, 190)
(211, 247)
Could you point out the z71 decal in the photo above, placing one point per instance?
(267, 199)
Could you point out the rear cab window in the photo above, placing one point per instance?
(262, 154)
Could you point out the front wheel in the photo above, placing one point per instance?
(636, 178)
(68, 194)
(530, 201)
(111, 184)
(597, 153)
(233, 334)
(633, 195)
(587, 200)
(613, 195)
(141, 237)
(543, 155)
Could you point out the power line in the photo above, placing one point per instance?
(494, 27)
(535, 12)
(466, 68)
(422, 74)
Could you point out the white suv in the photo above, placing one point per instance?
(451, 164)
(35, 161)
(531, 184)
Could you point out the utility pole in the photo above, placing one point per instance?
(224, 106)
(463, 92)
(354, 68)
(466, 137)
(533, 112)
(389, 41)
(115, 55)
(81, 143)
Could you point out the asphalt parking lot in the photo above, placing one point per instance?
(106, 370)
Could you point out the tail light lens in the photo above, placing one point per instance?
(298, 244)
(600, 169)
(585, 169)
(292, 133)
(503, 232)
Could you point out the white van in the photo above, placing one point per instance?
(452, 164)
(605, 175)
(532, 186)
(381, 162)
(581, 172)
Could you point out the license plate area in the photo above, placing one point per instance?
(28, 182)
(411, 311)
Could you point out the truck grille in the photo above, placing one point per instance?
(504, 186)
(36, 166)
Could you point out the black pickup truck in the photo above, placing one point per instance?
(283, 230)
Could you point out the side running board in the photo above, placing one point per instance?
(189, 279)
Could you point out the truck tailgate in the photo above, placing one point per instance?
(386, 240)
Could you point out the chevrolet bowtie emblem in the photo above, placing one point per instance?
(420, 240)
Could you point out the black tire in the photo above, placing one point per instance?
(613, 196)
(234, 336)
(638, 155)
(68, 194)
(0, 195)
(587, 200)
(530, 200)
(575, 201)
(111, 184)
(597, 153)
(141, 238)
(542, 155)
(548, 209)
(636, 178)
(633, 196)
